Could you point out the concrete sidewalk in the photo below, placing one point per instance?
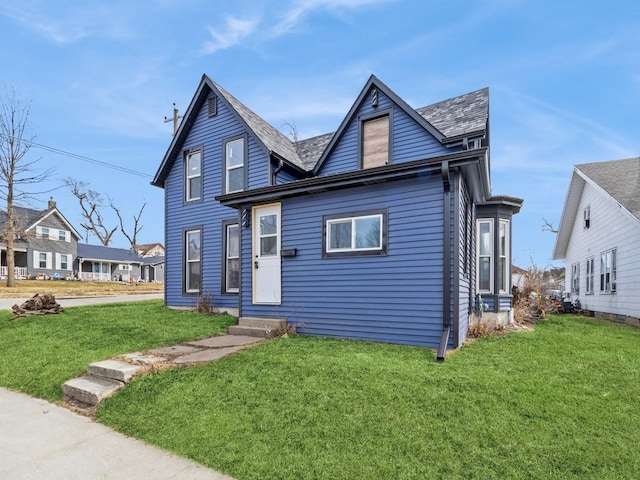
(7, 303)
(40, 440)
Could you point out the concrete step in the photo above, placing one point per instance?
(252, 331)
(90, 389)
(113, 369)
(267, 323)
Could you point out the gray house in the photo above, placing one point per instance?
(99, 263)
(46, 246)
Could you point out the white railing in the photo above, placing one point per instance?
(19, 272)
(95, 277)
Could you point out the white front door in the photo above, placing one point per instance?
(266, 255)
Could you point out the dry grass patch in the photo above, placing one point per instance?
(61, 288)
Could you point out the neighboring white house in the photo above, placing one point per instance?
(599, 239)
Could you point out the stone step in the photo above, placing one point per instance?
(267, 323)
(90, 389)
(253, 331)
(113, 369)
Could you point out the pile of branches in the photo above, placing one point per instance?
(37, 305)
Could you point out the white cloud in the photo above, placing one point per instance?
(234, 31)
(69, 24)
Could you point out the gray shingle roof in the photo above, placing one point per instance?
(458, 116)
(272, 138)
(619, 178)
(311, 149)
(100, 252)
(25, 217)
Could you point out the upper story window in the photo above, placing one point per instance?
(586, 216)
(44, 232)
(53, 234)
(359, 234)
(375, 142)
(485, 255)
(235, 165)
(193, 174)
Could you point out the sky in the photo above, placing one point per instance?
(101, 77)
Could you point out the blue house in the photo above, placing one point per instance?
(384, 230)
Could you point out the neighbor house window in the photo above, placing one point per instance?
(590, 264)
(375, 142)
(42, 260)
(575, 278)
(42, 232)
(608, 271)
(503, 255)
(485, 255)
(63, 235)
(193, 267)
(124, 267)
(356, 234)
(63, 261)
(193, 185)
(234, 165)
(231, 258)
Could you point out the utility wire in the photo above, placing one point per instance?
(83, 158)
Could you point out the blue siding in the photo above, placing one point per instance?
(395, 298)
(207, 214)
(410, 140)
(465, 241)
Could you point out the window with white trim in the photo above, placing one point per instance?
(234, 165)
(42, 260)
(589, 276)
(64, 235)
(608, 271)
(355, 234)
(232, 258)
(193, 174)
(485, 255)
(575, 278)
(124, 266)
(193, 268)
(503, 255)
(63, 261)
(42, 232)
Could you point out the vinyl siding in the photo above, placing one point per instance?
(610, 227)
(207, 214)
(393, 298)
(465, 235)
(410, 140)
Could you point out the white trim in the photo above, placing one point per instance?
(480, 221)
(228, 168)
(188, 177)
(187, 260)
(61, 217)
(353, 247)
(36, 260)
(59, 261)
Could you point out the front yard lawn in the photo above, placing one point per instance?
(559, 402)
(39, 353)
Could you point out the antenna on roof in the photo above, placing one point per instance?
(175, 118)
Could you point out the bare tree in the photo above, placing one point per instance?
(17, 171)
(91, 204)
(136, 225)
(547, 226)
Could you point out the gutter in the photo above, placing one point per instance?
(446, 268)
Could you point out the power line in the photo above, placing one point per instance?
(83, 158)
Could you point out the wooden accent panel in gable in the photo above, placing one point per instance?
(375, 142)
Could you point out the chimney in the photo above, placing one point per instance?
(51, 204)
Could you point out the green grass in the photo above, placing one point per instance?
(39, 353)
(560, 402)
